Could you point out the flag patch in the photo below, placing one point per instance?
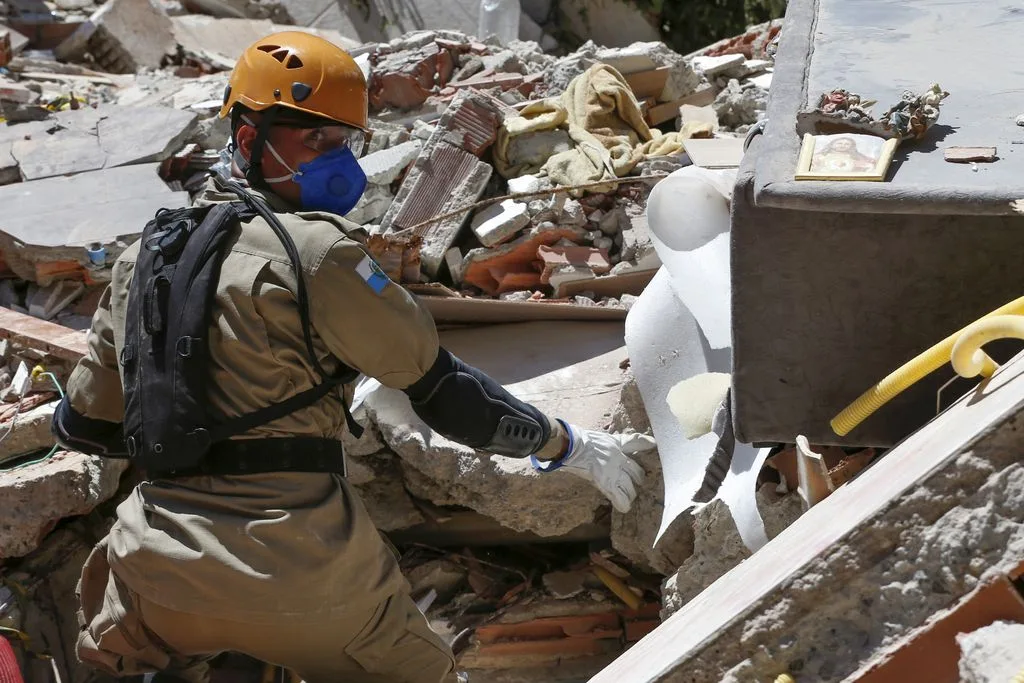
(372, 274)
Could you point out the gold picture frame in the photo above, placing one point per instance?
(845, 156)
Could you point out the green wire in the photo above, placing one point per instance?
(55, 446)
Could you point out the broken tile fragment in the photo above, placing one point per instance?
(500, 222)
(447, 179)
(557, 257)
(963, 155)
(519, 255)
(447, 175)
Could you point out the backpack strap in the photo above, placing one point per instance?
(243, 423)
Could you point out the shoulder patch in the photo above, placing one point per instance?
(372, 274)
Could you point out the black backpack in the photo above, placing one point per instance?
(169, 426)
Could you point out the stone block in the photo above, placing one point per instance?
(38, 496)
(500, 222)
(31, 432)
(384, 166)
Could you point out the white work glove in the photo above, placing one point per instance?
(603, 460)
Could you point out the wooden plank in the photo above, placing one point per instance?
(469, 310)
(41, 335)
(648, 83)
(612, 285)
(703, 96)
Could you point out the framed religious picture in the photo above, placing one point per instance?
(846, 156)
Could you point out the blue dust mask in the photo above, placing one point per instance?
(333, 182)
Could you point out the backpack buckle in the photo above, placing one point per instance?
(183, 347)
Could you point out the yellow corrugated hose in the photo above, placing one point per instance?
(970, 358)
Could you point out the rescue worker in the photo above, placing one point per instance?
(286, 566)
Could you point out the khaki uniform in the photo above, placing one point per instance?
(285, 567)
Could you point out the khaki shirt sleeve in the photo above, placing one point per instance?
(385, 334)
(94, 388)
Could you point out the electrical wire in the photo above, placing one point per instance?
(37, 371)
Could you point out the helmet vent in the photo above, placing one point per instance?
(283, 55)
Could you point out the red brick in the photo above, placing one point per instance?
(591, 257)
(503, 81)
(516, 256)
(477, 124)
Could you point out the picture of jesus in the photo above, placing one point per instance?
(841, 155)
(848, 156)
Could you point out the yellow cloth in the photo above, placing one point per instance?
(605, 124)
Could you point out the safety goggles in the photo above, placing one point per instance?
(331, 137)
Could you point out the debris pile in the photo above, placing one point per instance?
(496, 172)
(505, 185)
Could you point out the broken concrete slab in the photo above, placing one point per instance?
(122, 36)
(62, 154)
(140, 135)
(228, 37)
(66, 213)
(91, 139)
(926, 525)
(374, 203)
(38, 496)
(577, 380)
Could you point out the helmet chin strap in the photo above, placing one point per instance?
(254, 170)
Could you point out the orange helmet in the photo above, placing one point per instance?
(302, 72)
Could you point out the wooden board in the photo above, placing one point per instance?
(469, 310)
(715, 152)
(51, 338)
(612, 285)
(648, 83)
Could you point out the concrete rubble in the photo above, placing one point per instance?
(108, 112)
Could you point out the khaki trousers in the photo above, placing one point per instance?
(124, 634)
